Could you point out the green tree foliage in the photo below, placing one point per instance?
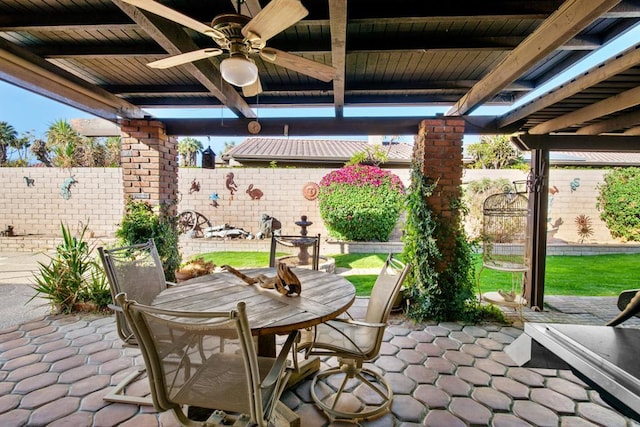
(361, 203)
(619, 203)
(113, 145)
(142, 222)
(475, 193)
(494, 152)
(65, 143)
(189, 148)
(373, 155)
(39, 150)
(437, 292)
(8, 136)
(228, 145)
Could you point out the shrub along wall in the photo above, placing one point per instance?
(96, 198)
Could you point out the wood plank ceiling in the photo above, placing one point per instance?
(93, 54)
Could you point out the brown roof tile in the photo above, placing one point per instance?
(318, 150)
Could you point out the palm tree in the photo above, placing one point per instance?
(65, 143)
(189, 148)
(8, 136)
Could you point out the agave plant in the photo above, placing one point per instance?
(72, 276)
(584, 226)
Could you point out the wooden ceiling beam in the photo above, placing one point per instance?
(617, 123)
(634, 131)
(47, 21)
(577, 142)
(99, 50)
(314, 126)
(599, 73)
(571, 18)
(174, 40)
(247, 7)
(338, 17)
(621, 101)
(28, 71)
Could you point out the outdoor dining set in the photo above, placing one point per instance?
(222, 348)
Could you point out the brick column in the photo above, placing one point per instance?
(438, 152)
(149, 163)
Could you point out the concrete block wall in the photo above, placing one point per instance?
(572, 192)
(282, 196)
(96, 199)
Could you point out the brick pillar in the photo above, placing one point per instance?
(149, 163)
(438, 152)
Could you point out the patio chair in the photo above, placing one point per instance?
(354, 342)
(187, 366)
(136, 270)
(297, 248)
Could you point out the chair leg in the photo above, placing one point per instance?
(117, 395)
(350, 371)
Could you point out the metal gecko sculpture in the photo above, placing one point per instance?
(65, 189)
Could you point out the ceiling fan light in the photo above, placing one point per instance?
(239, 71)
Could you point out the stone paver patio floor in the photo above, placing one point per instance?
(55, 371)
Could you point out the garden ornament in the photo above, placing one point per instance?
(66, 187)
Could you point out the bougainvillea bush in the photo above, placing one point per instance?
(361, 202)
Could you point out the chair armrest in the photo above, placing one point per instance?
(115, 307)
(360, 323)
(276, 370)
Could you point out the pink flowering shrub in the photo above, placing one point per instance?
(361, 203)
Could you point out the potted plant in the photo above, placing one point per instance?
(195, 267)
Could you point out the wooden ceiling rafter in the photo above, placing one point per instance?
(589, 78)
(247, 7)
(28, 71)
(566, 22)
(174, 40)
(634, 131)
(599, 143)
(619, 102)
(621, 122)
(338, 18)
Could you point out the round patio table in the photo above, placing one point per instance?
(324, 296)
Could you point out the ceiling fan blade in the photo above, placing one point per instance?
(314, 69)
(277, 16)
(184, 58)
(175, 16)
(253, 89)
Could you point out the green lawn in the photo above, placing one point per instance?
(598, 275)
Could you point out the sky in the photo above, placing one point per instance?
(27, 111)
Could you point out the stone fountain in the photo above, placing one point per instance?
(303, 243)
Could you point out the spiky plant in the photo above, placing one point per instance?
(585, 228)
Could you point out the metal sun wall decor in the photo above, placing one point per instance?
(310, 191)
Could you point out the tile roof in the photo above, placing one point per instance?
(595, 158)
(317, 150)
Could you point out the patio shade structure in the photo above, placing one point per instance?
(93, 55)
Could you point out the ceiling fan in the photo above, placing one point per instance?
(241, 36)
